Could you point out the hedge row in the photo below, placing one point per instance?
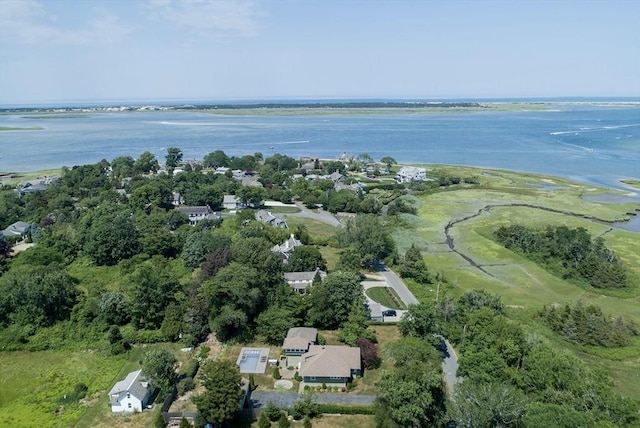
(345, 410)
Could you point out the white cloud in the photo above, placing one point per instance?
(225, 17)
(29, 22)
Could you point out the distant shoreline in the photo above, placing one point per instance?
(314, 108)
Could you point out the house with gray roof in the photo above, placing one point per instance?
(286, 248)
(19, 228)
(267, 217)
(131, 394)
(300, 281)
(198, 213)
(232, 202)
(297, 343)
(331, 365)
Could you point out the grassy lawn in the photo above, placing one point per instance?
(331, 255)
(314, 227)
(17, 177)
(100, 415)
(33, 383)
(386, 335)
(518, 280)
(386, 296)
(283, 210)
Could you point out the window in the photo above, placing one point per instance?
(128, 395)
(312, 378)
(335, 377)
(129, 405)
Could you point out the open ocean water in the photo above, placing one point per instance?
(593, 144)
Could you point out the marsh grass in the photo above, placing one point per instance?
(521, 282)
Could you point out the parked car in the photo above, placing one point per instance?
(389, 313)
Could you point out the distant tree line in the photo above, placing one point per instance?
(568, 253)
(588, 325)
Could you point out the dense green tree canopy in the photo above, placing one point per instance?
(218, 404)
(38, 295)
(108, 235)
(368, 236)
(332, 300)
(305, 258)
(216, 159)
(160, 365)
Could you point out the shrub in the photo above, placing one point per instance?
(191, 368)
(276, 373)
(283, 422)
(346, 410)
(297, 411)
(185, 385)
(297, 377)
(272, 411)
(307, 422)
(263, 421)
(324, 385)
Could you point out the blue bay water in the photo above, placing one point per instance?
(593, 144)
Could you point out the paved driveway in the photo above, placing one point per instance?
(396, 283)
(260, 399)
(320, 215)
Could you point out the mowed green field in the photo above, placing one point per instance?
(523, 285)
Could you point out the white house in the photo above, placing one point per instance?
(198, 213)
(131, 394)
(300, 281)
(232, 202)
(408, 174)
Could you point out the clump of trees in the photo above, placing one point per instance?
(366, 241)
(569, 253)
(413, 266)
(588, 325)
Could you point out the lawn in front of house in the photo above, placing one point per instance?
(386, 296)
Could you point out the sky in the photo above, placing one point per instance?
(56, 51)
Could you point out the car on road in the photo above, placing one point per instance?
(389, 313)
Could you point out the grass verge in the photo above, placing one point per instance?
(386, 296)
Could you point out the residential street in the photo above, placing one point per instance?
(396, 283)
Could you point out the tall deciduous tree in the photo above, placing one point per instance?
(216, 159)
(147, 162)
(419, 321)
(389, 161)
(368, 236)
(218, 404)
(305, 258)
(333, 299)
(160, 365)
(109, 235)
(173, 158)
(154, 287)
